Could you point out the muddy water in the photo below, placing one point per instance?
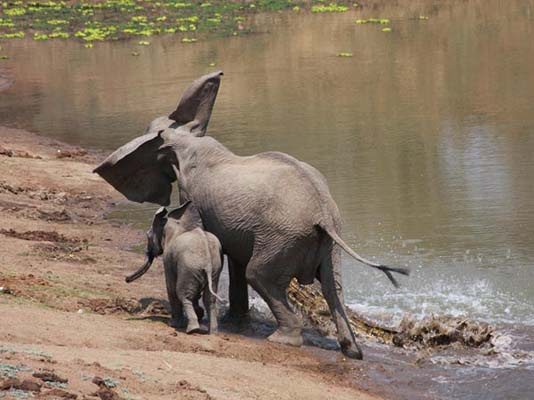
(425, 135)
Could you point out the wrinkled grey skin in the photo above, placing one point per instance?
(192, 259)
(272, 213)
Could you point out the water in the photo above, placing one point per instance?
(425, 135)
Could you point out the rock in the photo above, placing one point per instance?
(55, 393)
(30, 386)
(49, 376)
(106, 393)
(9, 383)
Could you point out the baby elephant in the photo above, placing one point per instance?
(192, 259)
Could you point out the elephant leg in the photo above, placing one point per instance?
(238, 292)
(192, 320)
(198, 310)
(210, 305)
(177, 320)
(273, 289)
(330, 278)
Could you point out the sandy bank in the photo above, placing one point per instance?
(64, 305)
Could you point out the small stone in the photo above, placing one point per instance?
(55, 393)
(30, 386)
(9, 383)
(49, 376)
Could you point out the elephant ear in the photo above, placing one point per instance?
(159, 219)
(180, 210)
(142, 173)
(194, 109)
(139, 171)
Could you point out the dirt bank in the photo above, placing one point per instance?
(66, 310)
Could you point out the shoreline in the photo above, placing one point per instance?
(64, 304)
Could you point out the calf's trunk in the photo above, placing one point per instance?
(141, 271)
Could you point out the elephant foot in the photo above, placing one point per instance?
(351, 350)
(291, 337)
(193, 327)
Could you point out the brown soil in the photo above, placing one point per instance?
(70, 327)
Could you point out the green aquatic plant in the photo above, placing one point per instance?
(139, 18)
(6, 23)
(344, 54)
(180, 5)
(57, 22)
(99, 20)
(40, 36)
(13, 35)
(189, 40)
(383, 21)
(423, 17)
(212, 64)
(386, 29)
(98, 33)
(144, 43)
(332, 7)
(216, 20)
(89, 45)
(59, 35)
(4, 57)
(15, 11)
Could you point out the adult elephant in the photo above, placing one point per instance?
(273, 214)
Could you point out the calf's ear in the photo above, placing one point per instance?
(180, 210)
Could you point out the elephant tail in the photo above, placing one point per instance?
(209, 278)
(385, 269)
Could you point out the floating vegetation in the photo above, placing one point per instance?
(57, 21)
(15, 11)
(144, 43)
(383, 21)
(59, 34)
(189, 40)
(89, 45)
(386, 29)
(40, 36)
(14, 35)
(212, 64)
(332, 7)
(102, 20)
(423, 17)
(344, 54)
(6, 23)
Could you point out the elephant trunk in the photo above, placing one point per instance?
(141, 271)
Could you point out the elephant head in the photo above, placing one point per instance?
(137, 169)
(154, 243)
